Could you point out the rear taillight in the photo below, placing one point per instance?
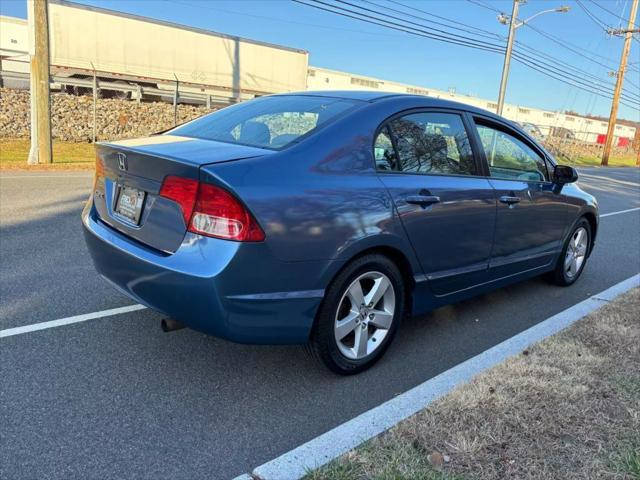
(212, 211)
(218, 214)
(183, 191)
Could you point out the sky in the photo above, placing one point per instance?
(341, 43)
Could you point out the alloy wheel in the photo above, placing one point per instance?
(576, 252)
(365, 314)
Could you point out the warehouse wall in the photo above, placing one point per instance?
(584, 128)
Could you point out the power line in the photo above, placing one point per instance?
(591, 46)
(484, 5)
(552, 72)
(275, 19)
(632, 96)
(569, 46)
(570, 77)
(449, 38)
(577, 70)
(620, 17)
(624, 8)
(486, 33)
(567, 77)
(455, 39)
(576, 49)
(602, 87)
(461, 38)
(473, 28)
(595, 19)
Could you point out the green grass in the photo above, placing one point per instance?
(337, 471)
(628, 462)
(74, 156)
(593, 161)
(378, 462)
(629, 384)
(66, 155)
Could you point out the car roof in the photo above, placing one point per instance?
(361, 95)
(370, 97)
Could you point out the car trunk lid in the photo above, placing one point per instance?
(129, 176)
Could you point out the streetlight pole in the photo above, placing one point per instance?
(514, 23)
(507, 56)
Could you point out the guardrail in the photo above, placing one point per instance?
(136, 91)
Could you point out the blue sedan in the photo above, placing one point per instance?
(325, 218)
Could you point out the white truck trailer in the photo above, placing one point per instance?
(139, 50)
(14, 52)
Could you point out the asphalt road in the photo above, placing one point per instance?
(117, 398)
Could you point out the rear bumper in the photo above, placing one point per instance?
(236, 291)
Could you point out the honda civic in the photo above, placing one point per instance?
(325, 218)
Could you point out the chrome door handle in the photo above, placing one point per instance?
(509, 200)
(423, 200)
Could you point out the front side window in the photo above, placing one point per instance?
(432, 143)
(509, 158)
(269, 122)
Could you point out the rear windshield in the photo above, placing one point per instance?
(269, 122)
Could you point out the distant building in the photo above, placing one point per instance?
(557, 123)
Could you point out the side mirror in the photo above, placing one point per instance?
(564, 174)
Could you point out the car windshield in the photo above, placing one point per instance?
(269, 122)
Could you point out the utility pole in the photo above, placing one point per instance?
(40, 101)
(514, 24)
(507, 56)
(620, 79)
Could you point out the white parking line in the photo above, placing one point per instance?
(9, 332)
(619, 212)
(296, 463)
(132, 308)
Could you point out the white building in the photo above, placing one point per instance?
(583, 128)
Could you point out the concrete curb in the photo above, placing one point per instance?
(330, 445)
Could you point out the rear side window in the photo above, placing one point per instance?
(431, 143)
(268, 122)
(510, 158)
(383, 151)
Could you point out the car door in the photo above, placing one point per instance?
(531, 212)
(447, 208)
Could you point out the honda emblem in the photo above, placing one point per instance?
(122, 161)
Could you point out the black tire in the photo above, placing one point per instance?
(323, 345)
(559, 275)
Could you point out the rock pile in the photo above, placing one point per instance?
(72, 116)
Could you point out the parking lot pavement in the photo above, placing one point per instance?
(613, 187)
(117, 398)
(46, 272)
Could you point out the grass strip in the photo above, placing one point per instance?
(568, 407)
